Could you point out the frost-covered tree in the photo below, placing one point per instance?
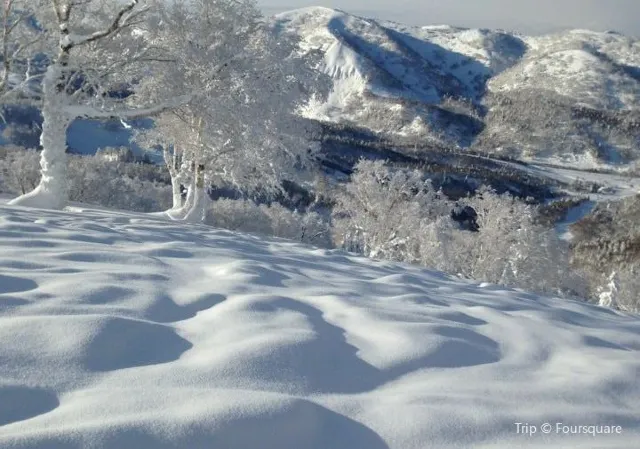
(19, 169)
(21, 39)
(513, 249)
(380, 211)
(395, 214)
(240, 127)
(98, 52)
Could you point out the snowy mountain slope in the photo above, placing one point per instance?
(419, 63)
(564, 97)
(390, 78)
(600, 70)
(128, 331)
(573, 99)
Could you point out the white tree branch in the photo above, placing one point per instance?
(118, 22)
(92, 112)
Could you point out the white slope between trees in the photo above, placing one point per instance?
(124, 331)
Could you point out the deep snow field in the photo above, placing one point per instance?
(129, 331)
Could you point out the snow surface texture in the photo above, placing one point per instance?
(128, 331)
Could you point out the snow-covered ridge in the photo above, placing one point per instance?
(127, 331)
(598, 69)
(431, 61)
(419, 63)
(406, 77)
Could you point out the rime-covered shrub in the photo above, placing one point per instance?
(513, 249)
(105, 183)
(380, 211)
(272, 220)
(396, 215)
(91, 180)
(606, 246)
(19, 169)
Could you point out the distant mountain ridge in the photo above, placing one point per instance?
(568, 98)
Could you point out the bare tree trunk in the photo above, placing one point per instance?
(52, 192)
(195, 206)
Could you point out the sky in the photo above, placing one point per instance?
(526, 16)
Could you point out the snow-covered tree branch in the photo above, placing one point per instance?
(240, 128)
(20, 42)
(98, 52)
(395, 214)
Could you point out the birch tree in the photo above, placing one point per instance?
(98, 51)
(240, 127)
(20, 42)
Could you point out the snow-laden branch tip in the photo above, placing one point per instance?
(72, 40)
(91, 112)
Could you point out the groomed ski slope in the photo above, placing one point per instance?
(128, 331)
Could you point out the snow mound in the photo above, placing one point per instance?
(129, 331)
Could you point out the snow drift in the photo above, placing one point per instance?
(127, 331)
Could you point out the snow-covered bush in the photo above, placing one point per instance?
(19, 169)
(379, 212)
(606, 246)
(621, 290)
(116, 154)
(397, 215)
(512, 248)
(273, 220)
(97, 181)
(92, 180)
(382, 212)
